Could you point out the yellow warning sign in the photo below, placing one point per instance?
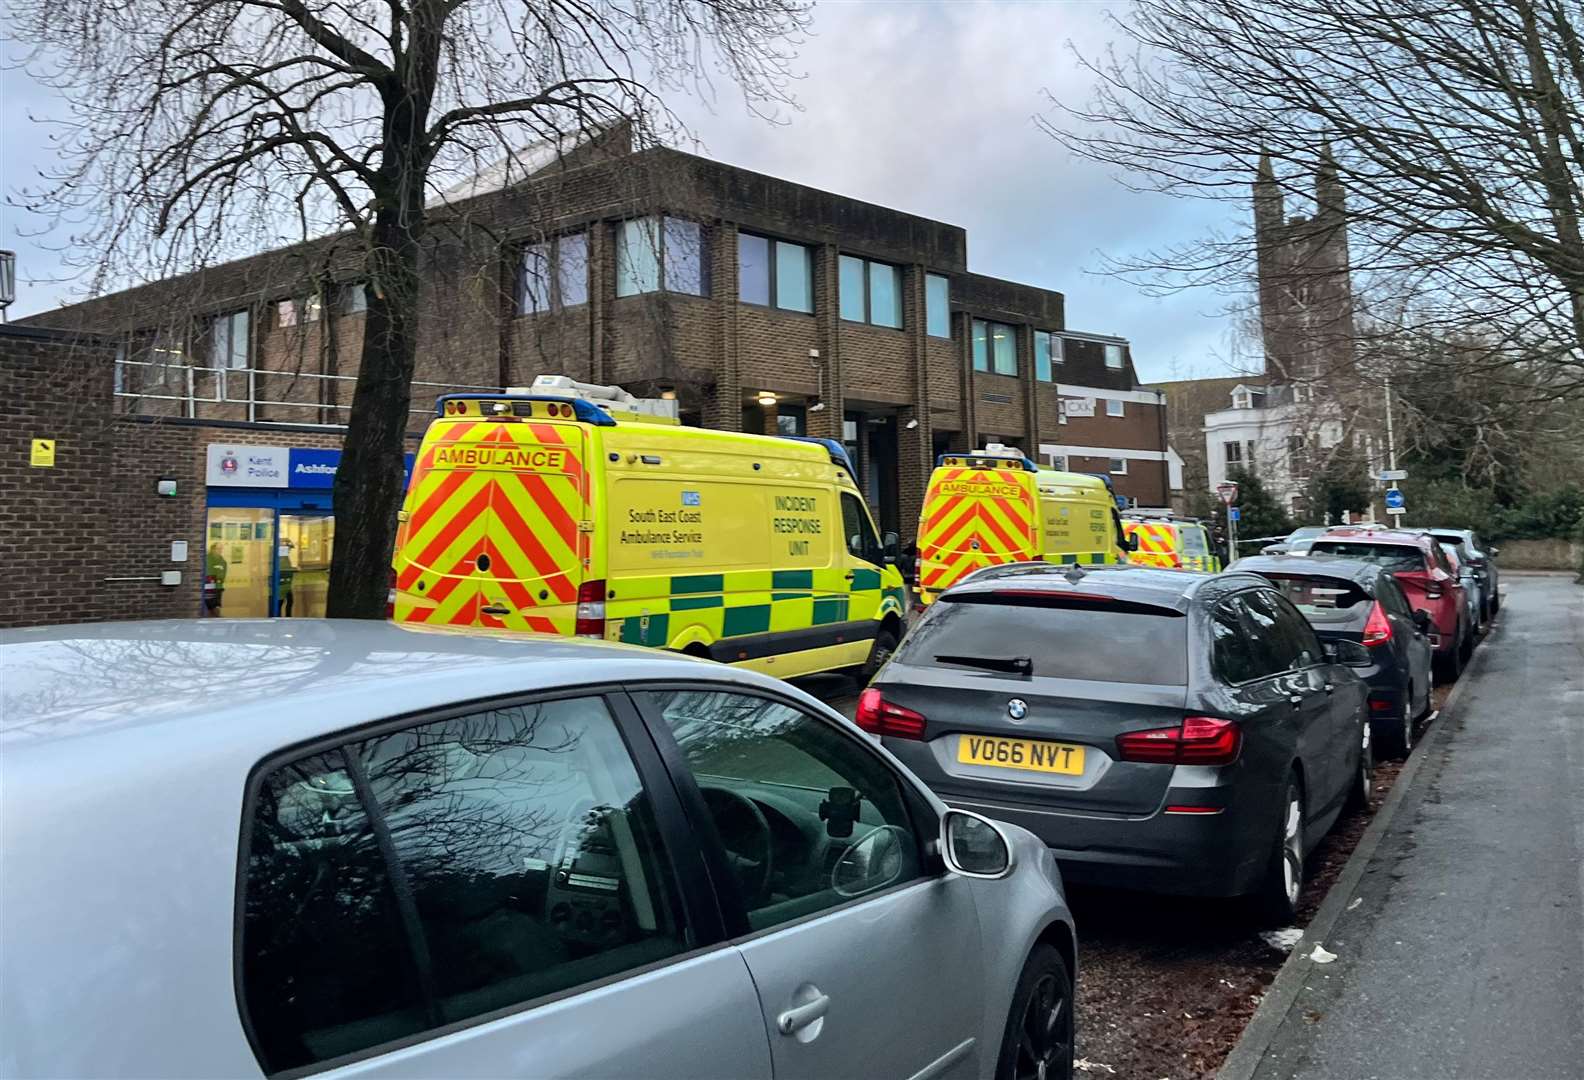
(43, 454)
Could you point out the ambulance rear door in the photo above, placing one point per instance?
(978, 512)
(494, 535)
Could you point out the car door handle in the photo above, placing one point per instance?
(850, 575)
(794, 1020)
(495, 609)
(1329, 687)
(1296, 699)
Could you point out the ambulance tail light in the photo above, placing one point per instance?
(591, 610)
(878, 716)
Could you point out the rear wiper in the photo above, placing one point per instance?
(1018, 665)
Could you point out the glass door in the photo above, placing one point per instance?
(303, 570)
(239, 562)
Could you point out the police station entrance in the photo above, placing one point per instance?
(269, 532)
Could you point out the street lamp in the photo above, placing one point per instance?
(7, 282)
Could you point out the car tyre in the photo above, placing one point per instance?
(1038, 1041)
(1467, 651)
(1275, 898)
(885, 644)
(1449, 665)
(1363, 783)
(1401, 745)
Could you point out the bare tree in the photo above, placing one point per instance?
(198, 129)
(1456, 128)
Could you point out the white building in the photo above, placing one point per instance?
(1275, 432)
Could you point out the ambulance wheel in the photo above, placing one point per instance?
(885, 644)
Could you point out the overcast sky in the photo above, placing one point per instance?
(924, 107)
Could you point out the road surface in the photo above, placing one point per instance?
(1464, 957)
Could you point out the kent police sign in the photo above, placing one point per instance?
(231, 465)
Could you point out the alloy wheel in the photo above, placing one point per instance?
(1366, 763)
(1044, 1033)
(1408, 723)
(1292, 848)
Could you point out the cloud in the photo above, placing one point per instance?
(924, 107)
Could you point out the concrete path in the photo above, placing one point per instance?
(1463, 957)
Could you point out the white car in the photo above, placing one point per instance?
(240, 848)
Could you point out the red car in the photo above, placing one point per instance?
(1421, 568)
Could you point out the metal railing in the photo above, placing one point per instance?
(241, 387)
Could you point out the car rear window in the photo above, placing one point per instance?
(1060, 637)
(1327, 601)
(1394, 557)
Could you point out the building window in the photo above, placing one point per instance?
(312, 306)
(354, 298)
(1113, 357)
(286, 313)
(1234, 452)
(937, 305)
(1115, 407)
(660, 253)
(1119, 466)
(775, 273)
(871, 291)
(1297, 459)
(1058, 462)
(228, 341)
(1242, 399)
(553, 275)
(994, 347)
(1047, 354)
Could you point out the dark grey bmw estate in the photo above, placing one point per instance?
(1159, 729)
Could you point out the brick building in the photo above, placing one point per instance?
(759, 304)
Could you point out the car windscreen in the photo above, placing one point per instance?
(1060, 636)
(1394, 557)
(1193, 540)
(1325, 601)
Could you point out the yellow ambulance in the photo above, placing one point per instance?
(575, 509)
(1173, 543)
(993, 507)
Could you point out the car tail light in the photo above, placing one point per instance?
(878, 716)
(1198, 740)
(1377, 630)
(390, 596)
(591, 610)
(1377, 705)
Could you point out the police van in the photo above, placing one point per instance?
(995, 506)
(575, 509)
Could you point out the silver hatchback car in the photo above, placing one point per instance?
(258, 848)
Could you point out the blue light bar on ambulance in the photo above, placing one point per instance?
(986, 461)
(838, 452)
(580, 410)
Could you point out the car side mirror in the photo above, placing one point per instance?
(839, 810)
(974, 846)
(1130, 543)
(1493, 552)
(891, 546)
(1421, 619)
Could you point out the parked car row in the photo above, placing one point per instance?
(254, 848)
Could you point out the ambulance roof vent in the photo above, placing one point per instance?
(611, 399)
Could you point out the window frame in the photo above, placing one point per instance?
(733, 910)
(1111, 349)
(868, 266)
(772, 299)
(1112, 470)
(682, 855)
(554, 300)
(661, 220)
(1054, 355)
(989, 348)
(929, 307)
(1227, 457)
(1121, 407)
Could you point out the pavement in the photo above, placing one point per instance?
(1460, 953)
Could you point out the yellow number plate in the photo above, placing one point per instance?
(1021, 754)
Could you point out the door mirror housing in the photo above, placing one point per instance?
(974, 846)
(1130, 543)
(1421, 619)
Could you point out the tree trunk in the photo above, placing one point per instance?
(369, 481)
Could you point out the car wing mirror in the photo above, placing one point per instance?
(891, 547)
(974, 846)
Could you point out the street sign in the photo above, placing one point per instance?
(1396, 511)
(1234, 514)
(1228, 492)
(1388, 475)
(1394, 499)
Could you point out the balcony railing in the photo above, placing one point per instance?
(201, 392)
